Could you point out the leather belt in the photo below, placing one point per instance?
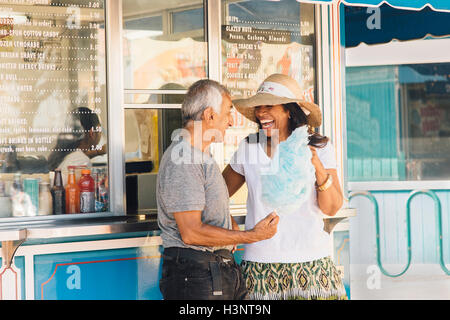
(221, 255)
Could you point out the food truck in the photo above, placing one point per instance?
(92, 91)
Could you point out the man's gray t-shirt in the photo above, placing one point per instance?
(190, 180)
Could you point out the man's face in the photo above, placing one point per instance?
(223, 120)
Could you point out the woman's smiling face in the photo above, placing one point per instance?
(273, 118)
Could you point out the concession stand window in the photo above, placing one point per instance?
(53, 106)
(164, 52)
(167, 47)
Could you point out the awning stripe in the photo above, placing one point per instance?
(437, 5)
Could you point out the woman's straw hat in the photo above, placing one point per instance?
(279, 89)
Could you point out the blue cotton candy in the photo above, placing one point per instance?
(290, 180)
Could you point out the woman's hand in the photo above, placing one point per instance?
(315, 158)
(330, 200)
(321, 173)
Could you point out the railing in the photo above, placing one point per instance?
(438, 212)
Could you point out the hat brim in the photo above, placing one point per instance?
(247, 106)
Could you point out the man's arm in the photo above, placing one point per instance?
(194, 232)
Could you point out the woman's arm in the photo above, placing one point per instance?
(331, 199)
(233, 180)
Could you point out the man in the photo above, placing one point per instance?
(197, 230)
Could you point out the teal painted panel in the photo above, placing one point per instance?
(239, 254)
(392, 213)
(372, 128)
(341, 248)
(119, 274)
(19, 262)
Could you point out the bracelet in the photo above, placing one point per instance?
(328, 183)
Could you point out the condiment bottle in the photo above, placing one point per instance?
(45, 199)
(72, 193)
(58, 194)
(87, 192)
(5, 202)
(101, 193)
(2, 189)
(16, 186)
(17, 195)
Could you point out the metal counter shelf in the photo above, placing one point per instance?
(57, 228)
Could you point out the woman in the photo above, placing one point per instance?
(74, 148)
(295, 263)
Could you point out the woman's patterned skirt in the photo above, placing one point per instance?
(313, 280)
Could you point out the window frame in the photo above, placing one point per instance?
(112, 15)
(214, 11)
(408, 52)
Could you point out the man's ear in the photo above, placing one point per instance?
(208, 114)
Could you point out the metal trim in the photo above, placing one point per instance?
(153, 91)
(150, 106)
(213, 27)
(399, 185)
(116, 113)
(325, 66)
(319, 66)
(78, 228)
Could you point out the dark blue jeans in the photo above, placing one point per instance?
(188, 279)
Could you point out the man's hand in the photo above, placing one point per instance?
(267, 227)
(194, 232)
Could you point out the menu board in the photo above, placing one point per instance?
(52, 77)
(53, 113)
(253, 50)
(253, 53)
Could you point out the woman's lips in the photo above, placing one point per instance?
(266, 124)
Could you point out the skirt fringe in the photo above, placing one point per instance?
(315, 280)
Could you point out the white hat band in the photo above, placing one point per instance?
(276, 89)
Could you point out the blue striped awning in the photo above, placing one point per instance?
(404, 4)
(439, 5)
(398, 24)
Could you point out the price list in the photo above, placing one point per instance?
(254, 47)
(52, 63)
(252, 50)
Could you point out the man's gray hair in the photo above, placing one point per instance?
(201, 95)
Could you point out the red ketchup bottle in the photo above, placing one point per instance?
(87, 192)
